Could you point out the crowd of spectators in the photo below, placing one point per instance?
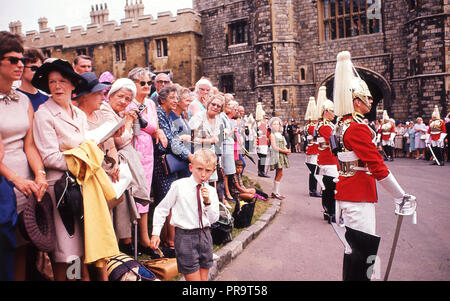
(52, 109)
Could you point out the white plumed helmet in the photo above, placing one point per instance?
(348, 85)
(311, 110)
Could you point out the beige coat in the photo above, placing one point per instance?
(55, 132)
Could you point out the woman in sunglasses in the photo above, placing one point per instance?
(22, 164)
(143, 142)
(33, 59)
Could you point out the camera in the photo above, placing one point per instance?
(142, 122)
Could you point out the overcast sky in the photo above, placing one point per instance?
(74, 12)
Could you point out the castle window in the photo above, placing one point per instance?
(284, 95)
(237, 33)
(227, 83)
(120, 52)
(81, 51)
(266, 68)
(302, 74)
(348, 18)
(161, 47)
(47, 53)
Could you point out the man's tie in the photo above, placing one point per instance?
(199, 205)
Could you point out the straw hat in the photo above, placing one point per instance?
(36, 223)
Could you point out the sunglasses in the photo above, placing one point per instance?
(163, 81)
(216, 105)
(32, 68)
(149, 83)
(14, 60)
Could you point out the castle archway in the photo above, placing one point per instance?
(379, 88)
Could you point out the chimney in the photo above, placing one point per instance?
(43, 22)
(15, 27)
(99, 15)
(134, 11)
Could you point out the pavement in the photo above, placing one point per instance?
(234, 248)
(291, 241)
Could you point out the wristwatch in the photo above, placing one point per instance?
(42, 172)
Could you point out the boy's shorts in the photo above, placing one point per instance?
(194, 250)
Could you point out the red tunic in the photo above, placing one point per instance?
(361, 187)
(325, 156)
(311, 149)
(435, 133)
(386, 136)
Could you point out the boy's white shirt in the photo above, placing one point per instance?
(182, 199)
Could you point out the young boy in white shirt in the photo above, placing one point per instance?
(186, 198)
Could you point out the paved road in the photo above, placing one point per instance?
(299, 245)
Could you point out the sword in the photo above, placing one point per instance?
(396, 235)
(434, 156)
(394, 245)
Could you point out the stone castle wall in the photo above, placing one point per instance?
(408, 59)
(183, 34)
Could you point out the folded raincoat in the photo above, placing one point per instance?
(84, 162)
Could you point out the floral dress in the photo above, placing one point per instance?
(277, 159)
(162, 182)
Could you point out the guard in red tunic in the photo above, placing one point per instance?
(386, 134)
(436, 135)
(326, 160)
(312, 150)
(360, 166)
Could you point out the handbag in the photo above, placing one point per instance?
(172, 164)
(222, 229)
(69, 200)
(243, 215)
(124, 268)
(164, 268)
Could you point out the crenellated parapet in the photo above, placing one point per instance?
(186, 20)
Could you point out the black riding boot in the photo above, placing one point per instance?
(357, 265)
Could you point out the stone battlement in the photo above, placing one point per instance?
(186, 20)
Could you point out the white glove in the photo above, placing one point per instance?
(392, 136)
(405, 204)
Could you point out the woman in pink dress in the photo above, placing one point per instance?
(144, 142)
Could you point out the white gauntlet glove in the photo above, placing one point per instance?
(405, 204)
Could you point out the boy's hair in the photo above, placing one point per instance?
(239, 163)
(10, 42)
(32, 55)
(206, 156)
